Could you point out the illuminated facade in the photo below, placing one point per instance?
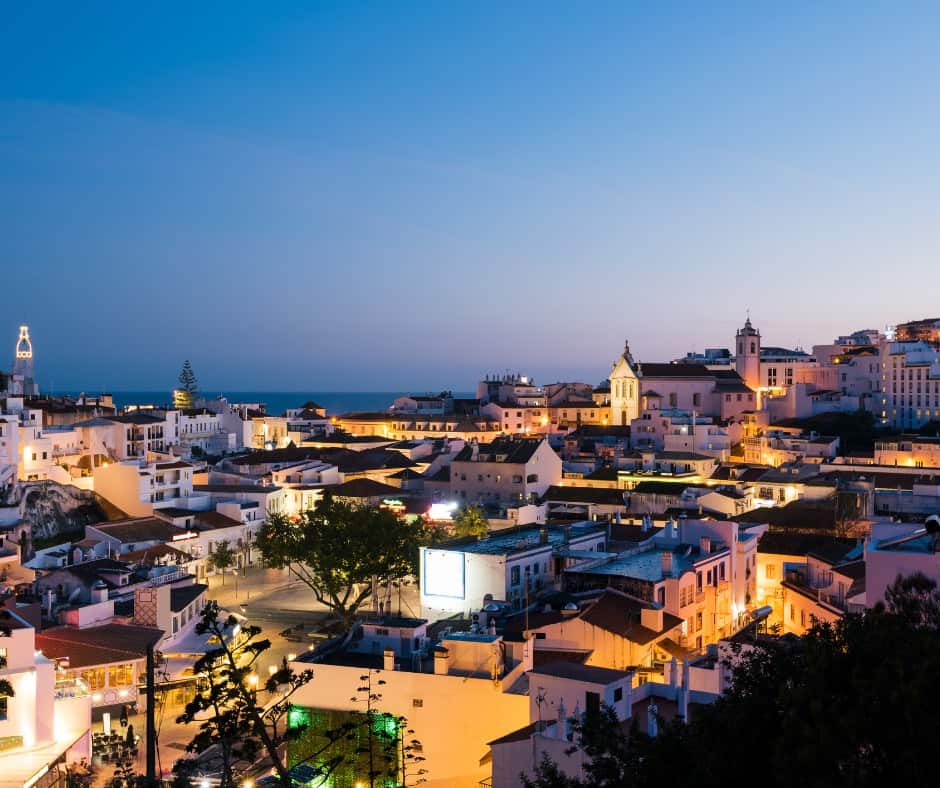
(48, 719)
(910, 384)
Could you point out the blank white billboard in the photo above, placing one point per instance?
(443, 574)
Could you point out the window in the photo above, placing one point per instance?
(673, 399)
(802, 618)
(696, 399)
(381, 632)
(698, 622)
(4, 708)
(592, 702)
(514, 576)
(770, 571)
(792, 617)
(3, 658)
(417, 703)
(121, 675)
(94, 678)
(618, 694)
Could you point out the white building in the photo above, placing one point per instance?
(138, 487)
(678, 431)
(506, 471)
(47, 721)
(900, 549)
(910, 384)
(512, 565)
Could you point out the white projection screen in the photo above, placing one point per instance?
(444, 574)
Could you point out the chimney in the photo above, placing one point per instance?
(99, 592)
(441, 656)
(652, 618)
(705, 545)
(666, 558)
(388, 660)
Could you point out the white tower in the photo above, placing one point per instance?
(747, 355)
(23, 364)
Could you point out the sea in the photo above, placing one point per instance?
(277, 402)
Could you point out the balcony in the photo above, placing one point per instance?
(70, 688)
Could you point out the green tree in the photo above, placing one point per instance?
(338, 549)
(222, 558)
(235, 725)
(471, 522)
(388, 757)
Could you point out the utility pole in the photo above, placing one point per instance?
(151, 718)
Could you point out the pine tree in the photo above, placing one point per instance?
(187, 379)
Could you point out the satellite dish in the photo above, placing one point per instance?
(932, 524)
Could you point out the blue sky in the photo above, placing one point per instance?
(388, 196)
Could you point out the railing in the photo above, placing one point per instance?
(70, 688)
(169, 577)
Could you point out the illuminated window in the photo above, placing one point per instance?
(121, 675)
(94, 678)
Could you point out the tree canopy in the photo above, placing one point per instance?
(849, 703)
(338, 548)
(471, 522)
(222, 558)
(235, 725)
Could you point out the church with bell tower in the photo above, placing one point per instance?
(747, 355)
(624, 389)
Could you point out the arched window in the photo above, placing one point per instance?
(753, 346)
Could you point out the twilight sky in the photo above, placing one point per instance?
(383, 196)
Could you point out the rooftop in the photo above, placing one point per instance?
(647, 564)
(182, 597)
(99, 645)
(140, 529)
(578, 672)
(520, 540)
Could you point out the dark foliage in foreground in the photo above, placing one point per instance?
(850, 704)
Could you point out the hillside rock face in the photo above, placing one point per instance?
(51, 509)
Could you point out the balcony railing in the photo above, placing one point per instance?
(70, 688)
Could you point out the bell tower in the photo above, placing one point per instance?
(747, 354)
